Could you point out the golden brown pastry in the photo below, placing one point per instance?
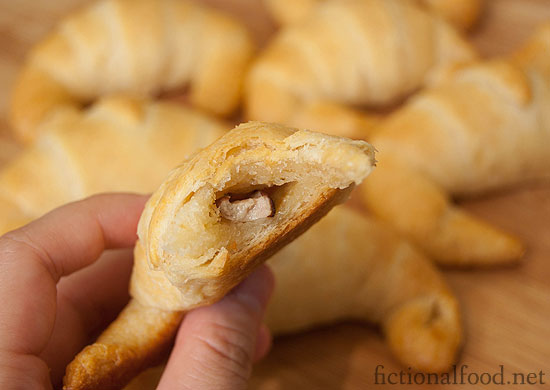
(348, 54)
(486, 127)
(460, 13)
(192, 251)
(138, 47)
(119, 144)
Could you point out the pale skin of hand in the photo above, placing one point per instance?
(56, 295)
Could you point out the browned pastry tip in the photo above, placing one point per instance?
(426, 333)
(139, 338)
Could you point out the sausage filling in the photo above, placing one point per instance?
(255, 206)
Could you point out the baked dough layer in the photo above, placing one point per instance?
(203, 254)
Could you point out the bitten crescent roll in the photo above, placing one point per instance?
(351, 267)
(136, 47)
(348, 54)
(486, 127)
(118, 144)
(462, 14)
(223, 212)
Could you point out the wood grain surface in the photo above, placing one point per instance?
(506, 311)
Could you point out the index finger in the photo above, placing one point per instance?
(33, 258)
(73, 236)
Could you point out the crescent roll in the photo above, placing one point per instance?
(488, 127)
(224, 211)
(135, 47)
(118, 144)
(366, 272)
(350, 54)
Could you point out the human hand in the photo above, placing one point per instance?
(56, 296)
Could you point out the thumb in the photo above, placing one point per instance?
(216, 344)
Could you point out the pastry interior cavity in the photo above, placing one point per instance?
(216, 238)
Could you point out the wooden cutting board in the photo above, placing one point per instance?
(506, 311)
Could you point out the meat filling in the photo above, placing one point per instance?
(257, 205)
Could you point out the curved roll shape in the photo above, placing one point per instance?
(136, 47)
(348, 54)
(223, 212)
(366, 272)
(488, 127)
(119, 144)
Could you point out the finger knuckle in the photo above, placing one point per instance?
(229, 348)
